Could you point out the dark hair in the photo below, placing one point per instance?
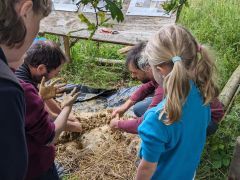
(12, 27)
(135, 54)
(45, 52)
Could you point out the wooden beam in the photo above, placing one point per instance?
(125, 50)
(110, 61)
(230, 88)
(234, 170)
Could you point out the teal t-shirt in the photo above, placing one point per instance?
(176, 148)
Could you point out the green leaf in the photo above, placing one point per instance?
(221, 146)
(84, 19)
(214, 148)
(217, 164)
(116, 12)
(226, 162)
(92, 27)
(85, 2)
(102, 16)
(95, 3)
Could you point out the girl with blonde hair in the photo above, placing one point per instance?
(173, 133)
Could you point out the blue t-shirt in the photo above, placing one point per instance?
(176, 148)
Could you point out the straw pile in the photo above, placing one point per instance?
(99, 153)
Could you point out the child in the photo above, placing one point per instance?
(173, 133)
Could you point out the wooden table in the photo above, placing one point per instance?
(131, 31)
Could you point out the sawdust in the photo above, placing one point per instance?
(98, 153)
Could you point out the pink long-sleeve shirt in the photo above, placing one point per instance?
(131, 125)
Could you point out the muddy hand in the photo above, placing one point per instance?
(119, 111)
(50, 91)
(114, 122)
(70, 98)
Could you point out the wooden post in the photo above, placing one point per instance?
(65, 45)
(234, 170)
(230, 88)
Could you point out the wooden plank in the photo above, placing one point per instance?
(133, 30)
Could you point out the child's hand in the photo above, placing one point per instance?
(51, 90)
(69, 99)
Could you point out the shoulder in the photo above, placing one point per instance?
(12, 104)
(152, 127)
(10, 88)
(28, 87)
(31, 94)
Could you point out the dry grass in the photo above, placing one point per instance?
(114, 158)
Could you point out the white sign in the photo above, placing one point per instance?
(65, 5)
(147, 8)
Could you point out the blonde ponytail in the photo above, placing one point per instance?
(205, 74)
(176, 86)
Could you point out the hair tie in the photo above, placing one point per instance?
(176, 58)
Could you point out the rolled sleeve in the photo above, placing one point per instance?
(130, 125)
(143, 91)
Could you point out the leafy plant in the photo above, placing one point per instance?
(175, 6)
(111, 6)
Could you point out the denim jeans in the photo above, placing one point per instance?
(141, 107)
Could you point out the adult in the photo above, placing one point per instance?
(19, 24)
(41, 131)
(139, 68)
(45, 59)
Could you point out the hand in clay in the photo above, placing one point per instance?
(70, 98)
(50, 91)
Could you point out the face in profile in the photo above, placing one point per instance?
(31, 20)
(138, 74)
(42, 71)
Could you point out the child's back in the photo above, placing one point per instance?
(177, 147)
(174, 133)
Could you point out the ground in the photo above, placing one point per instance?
(98, 152)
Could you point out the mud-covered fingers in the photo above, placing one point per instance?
(76, 95)
(73, 91)
(55, 81)
(43, 81)
(59, 94)
(60, 88)
(60, 85)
